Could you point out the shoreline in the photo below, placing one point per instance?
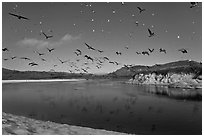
(40, 80)
(20, 125)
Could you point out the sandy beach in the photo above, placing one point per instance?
(40, 80)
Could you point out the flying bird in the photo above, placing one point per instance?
(150, 50)
(145, 52)
(25, 58)
(89, 47)
(5, 49)
(100, 51)
(106, 58)
(50, 50)
(116, 63)
(88, 57)
(47, 36)
(138, 53)
(150, 33)
(40, 54)
(118, 53)
(193, 4)
(33, 64)
(140, 9)
(5, 59)
(183, 50)
(18, 16)
(162, 50)
(79, 51)
(43, 59)
(84, 70)
(111, 62)
(62, 61)
(13, 57)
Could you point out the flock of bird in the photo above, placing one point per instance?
(99, 61)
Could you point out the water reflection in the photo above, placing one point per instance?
(104, 104)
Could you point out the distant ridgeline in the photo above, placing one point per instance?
(186, 67)
(177, 67)
(24, 75)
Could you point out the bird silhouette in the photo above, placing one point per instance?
(40, 54)
(106, 58)
(5, 49)
(5, 59)
(84, 70)
(25, 58)
(138, 53)
(140, 9)
(118, 53)
(150, 50)
(88, 57)
(33, 64)
(100, 51)
(116, 63)
(150, 33)
(13, 57)
(62, 61)
(193, 4)
(111, 62)
(18, 16)
(145, 53)
(47, 36)
(89, 47)
(162, 50)
(43, 59)
(50, 50)
(79, 51)
(183, 50)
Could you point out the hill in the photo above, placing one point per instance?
(184, 66)
(20, 75)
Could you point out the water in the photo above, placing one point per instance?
(103, 104)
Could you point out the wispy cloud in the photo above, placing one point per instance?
(31, 42)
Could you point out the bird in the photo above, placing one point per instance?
(40, 54)
(106, 58)
(138, 53)
(55, 65)
(111, 62)
(84, 70)
(50, 50)
(116, 63)
(118, 53)
(145, 52)
(47, 36)
(162, 50)
(33, 64)
(43, 59)
(13, 57)
(100, 51)
(183, 50)
(5, 49)
(5, 59)
(79, 51)
(150, 50)
(140, 9)
(18, 16)
(89, 47)
(88, 57)
(62, 61)
(25, 58)
(150, 33)
(193, 4)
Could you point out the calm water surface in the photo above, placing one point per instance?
(104, 104)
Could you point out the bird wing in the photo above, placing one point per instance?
(149, 31)
(139, 8)
(14, 15)
(24, 17)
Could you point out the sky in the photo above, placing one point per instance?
(108, 26)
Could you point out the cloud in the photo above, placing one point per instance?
(31, 42)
